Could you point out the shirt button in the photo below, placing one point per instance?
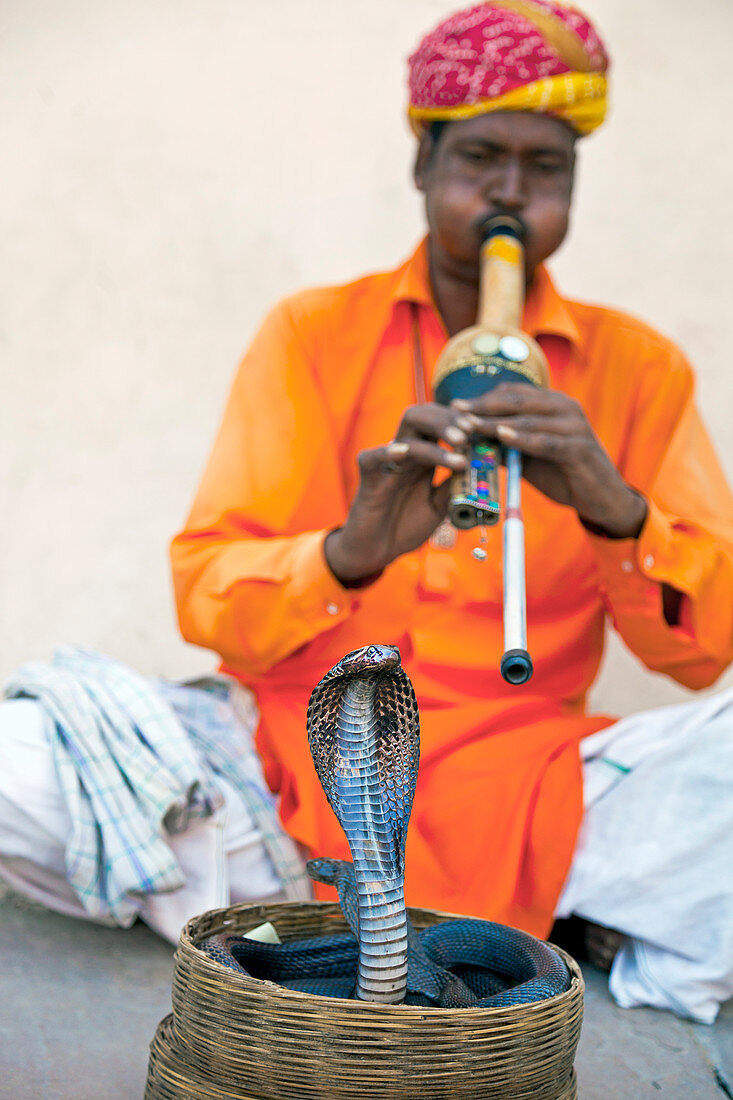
(332, 608)
(627, 566)
(648, 561)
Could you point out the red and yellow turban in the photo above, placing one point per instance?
(510, 55)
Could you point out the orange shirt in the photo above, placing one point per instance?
(499, 795)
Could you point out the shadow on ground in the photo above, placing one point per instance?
(80, 1004)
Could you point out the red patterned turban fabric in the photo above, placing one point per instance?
(510, 55)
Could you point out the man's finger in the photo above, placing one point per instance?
(434, 422)
(555, 425)
(513, 398)
(404, 455)
(552, 446)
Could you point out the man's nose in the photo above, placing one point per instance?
(506, 188)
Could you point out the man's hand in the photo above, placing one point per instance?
(561, 455)
(397, 505)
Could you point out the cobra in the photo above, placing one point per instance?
(363, 732)
(364, 737)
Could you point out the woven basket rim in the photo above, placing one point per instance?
(233, 919)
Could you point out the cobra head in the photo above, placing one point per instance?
(363, 728)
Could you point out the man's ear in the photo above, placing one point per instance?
(425, 150)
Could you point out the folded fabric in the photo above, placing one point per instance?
(220, 718)
(133, 774)
(655, 854)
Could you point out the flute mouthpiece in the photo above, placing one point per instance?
(506, 224)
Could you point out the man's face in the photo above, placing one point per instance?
(513, 162)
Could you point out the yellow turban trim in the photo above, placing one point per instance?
(578, 98)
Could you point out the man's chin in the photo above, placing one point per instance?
(465, 265)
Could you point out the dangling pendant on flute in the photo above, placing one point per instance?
(480, 552)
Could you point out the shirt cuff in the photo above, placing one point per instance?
(635, 568)
(316, 592)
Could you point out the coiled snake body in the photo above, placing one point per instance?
(363, 732)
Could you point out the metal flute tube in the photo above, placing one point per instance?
(516, 663)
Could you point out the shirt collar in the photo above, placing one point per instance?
(546, 312)
(413, 280)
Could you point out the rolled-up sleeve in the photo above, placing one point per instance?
(250, 577)
(686, 543)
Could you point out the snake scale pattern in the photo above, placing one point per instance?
(363, 732)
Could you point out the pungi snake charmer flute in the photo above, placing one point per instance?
(473, 362)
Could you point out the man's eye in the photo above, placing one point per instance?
(474, 155)
(547, 166)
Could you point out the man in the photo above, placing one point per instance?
(314, 528)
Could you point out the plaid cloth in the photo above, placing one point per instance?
(132, 771)
(220, 716)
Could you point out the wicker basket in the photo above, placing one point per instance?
(232, 1037)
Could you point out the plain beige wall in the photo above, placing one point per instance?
(170, 168)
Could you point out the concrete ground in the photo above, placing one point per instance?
(79, 1005)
